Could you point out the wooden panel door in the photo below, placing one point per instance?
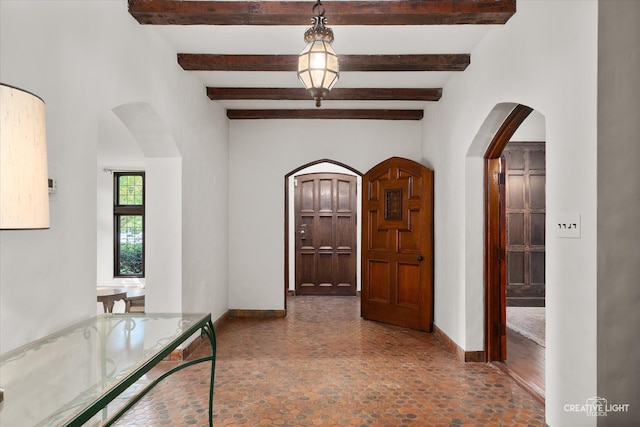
(525, 223)
(325, 220)
(397, 244)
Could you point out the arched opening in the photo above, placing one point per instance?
(134, 137)
(514, 249)
(323, 166)
(495, 237)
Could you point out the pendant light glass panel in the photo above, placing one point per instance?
(318, 66)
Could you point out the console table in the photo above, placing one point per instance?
(108, 297)
(68, 378)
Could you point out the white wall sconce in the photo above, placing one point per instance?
(24, 194)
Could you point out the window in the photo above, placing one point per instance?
(128, 221)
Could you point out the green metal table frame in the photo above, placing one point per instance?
(89, 406)
(206, 330)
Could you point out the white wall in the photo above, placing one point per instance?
(545, 57)
(205, 210)
(163, 235)
(83, 67)
(532, 129)
(261, 153)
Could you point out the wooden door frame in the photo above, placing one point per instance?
(495, 263)
(287, 219)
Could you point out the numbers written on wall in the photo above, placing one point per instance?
(568, 226)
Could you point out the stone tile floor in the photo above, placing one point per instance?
(323, 365)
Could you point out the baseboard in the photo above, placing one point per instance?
(180, 354)
(260, 314)
(532, 389)
(292, 293)
(461, 355)
(474, 356)
(183, 353)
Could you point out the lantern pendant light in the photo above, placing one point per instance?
(318, 67)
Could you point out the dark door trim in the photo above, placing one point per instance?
(287, 219)
(495, 263)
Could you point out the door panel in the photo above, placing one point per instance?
(397, 239)
(378, 238)
(325, 232)
(325, 195)
(343, 271)
(344, 233)
(408, 239)
(378, 286)
(537, 229)
(525, 221)
(515, 190)
(536, 192)
(325, 220)
(307, 197)
(305, 269)
(515, 261)
(408, 285)
(516, 223)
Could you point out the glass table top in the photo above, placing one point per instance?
(50, 380)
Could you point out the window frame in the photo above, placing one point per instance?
(126, 210)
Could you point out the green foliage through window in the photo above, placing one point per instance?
(131, 259)
(130, 190)
(130, 241)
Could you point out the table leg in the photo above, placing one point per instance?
(108, 306)
(211, 335)
(208, 331)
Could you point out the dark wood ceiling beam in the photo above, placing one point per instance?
(442, 62)
(336, 94)
(214, 62)
(343, 114)
(432, 12)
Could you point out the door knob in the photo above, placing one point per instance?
(419, 258)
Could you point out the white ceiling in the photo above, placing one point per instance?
(288, 40)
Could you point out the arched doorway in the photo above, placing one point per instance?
(507, 256)
(133, 137)
(320, 166)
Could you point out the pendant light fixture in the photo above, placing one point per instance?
(318, 67)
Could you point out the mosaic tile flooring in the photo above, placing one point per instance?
(323, 365)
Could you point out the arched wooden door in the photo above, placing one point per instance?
(397, 244)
